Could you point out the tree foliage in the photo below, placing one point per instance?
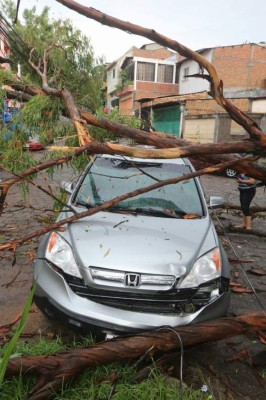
(72, 63)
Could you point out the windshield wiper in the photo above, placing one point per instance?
(83, 204)
(164, 213)
(121, 210)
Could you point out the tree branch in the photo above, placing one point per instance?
(216, 84)
(57, 369)
(15, 243)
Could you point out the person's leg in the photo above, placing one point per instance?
(247, 197)
(242, 203)
(248, 222)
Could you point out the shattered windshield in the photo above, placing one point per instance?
(109, 178)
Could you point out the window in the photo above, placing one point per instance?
(165, 73)
(177, 73)
(129, 69)
(146, 71)
(186, 73)
(114, 73)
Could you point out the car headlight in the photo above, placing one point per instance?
(60, 253)
(206, 268)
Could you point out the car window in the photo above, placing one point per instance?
(108, 178)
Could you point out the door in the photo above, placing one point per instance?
(167, 120)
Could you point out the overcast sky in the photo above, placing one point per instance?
(196, 23)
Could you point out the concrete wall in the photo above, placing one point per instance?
(193, 85)
(218, 128)
(199, 130)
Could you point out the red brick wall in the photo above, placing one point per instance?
(258, 75)
(160, 54)
(153, 89)
(126, 105)
(203, 107)
(242, 66)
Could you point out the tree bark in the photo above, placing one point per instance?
(13, 245)
(216, 84)
(253, 209)
(55, 370)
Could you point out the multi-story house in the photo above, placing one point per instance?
(242, 69)
(150, 71)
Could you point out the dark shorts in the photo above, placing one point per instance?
(246, 197)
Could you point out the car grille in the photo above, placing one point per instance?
(183, 300)
(120, 279)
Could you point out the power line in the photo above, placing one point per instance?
(16, 17)
(239, 262)
(15, 39)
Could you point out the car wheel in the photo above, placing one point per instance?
(231, 173)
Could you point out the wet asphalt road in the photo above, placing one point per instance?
(23, 216)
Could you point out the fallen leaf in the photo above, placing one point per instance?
(108, 251)
(257, 271)
(233, 261)
(241, 290)
(5, 328)
(31, 255)
(262, 337)
(238, 356)
(191, 216)
(112, 377)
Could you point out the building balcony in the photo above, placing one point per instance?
(125, 90)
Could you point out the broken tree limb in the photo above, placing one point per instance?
(216, 91)
(61, 368)
(14, 244)
(244, 231)
(64, 94)
(253, 209)
(213, 153)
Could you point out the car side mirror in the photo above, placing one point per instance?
(67, 186)
(215, 201)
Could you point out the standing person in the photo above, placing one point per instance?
(247, 190)
(7, 116)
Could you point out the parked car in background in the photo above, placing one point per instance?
(199, 164)
(149, 261)
(34, 145)
(10, 123)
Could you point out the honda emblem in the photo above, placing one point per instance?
(132, 280)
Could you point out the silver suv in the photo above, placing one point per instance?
(149, 261)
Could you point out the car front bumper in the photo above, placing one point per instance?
(56, 299)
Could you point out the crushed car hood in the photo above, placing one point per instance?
(126, 242)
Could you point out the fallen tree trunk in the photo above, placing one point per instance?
(253, 209)
(54, 370)
(253, 232)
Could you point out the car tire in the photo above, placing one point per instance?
(230, 173)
